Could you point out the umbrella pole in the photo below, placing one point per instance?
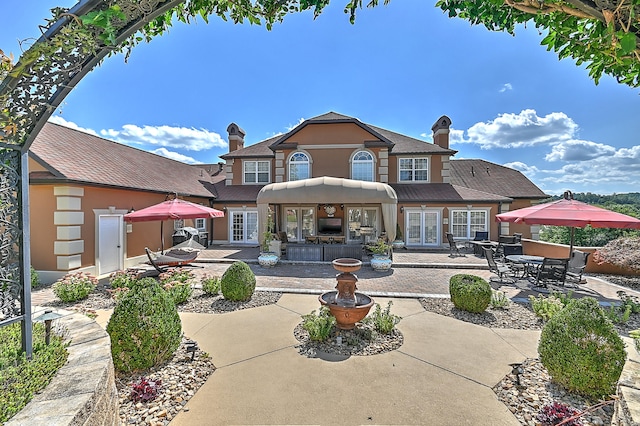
(162, 237)
(573, 230)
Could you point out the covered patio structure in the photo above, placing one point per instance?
(332, 193)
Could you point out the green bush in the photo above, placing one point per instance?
(383, 321)
(177, 283)
(145, 328)
(499, 300)
(35, 280)
(581, 349)
(75, 286)
(238, 282)
(319, 326)
(121, 279)
(21, 379)
(210, 284)
(545, 307)
(470, 293)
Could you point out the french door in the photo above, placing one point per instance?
(422, 227)
(363, 224)
(243, 226)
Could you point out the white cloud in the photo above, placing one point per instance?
(578, 150)
(290, 127)
(56, 119)
(519, 130)
(505, 87)
(522, 167)
(189, 139)
(175, 156)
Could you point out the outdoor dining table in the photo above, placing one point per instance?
(478, 245)
(531, 263)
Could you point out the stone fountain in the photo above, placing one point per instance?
(345, 304)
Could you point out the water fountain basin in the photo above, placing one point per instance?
(347, 317)
(347, 265)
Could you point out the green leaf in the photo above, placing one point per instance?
(627, 43)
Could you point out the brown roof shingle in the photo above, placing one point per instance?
(443, 192)
(74, 156)
(490, 177)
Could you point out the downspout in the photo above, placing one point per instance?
(499, 223)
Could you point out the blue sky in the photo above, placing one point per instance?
(400, 67)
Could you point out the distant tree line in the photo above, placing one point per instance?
(628, 204)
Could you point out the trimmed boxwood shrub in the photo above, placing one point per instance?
(581, 349)
(145, 328)
(470, 293)
(238, 282)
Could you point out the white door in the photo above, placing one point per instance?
(243, 227)
(110, 248)
(422, 227)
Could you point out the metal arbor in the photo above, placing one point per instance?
(38, 83)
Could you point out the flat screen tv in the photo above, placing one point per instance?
(329, 225)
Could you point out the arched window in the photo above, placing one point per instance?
(362, 166)
(299, 166)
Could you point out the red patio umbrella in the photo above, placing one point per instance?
(172, 209)
(571, 213)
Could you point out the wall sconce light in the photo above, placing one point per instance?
(401, 209)
(131, 210)
(341, 206)
(224, 209)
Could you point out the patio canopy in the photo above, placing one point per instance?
(331, 190)
(569, 212)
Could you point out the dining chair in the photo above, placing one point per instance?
(498, 268)
(455, 246)
(577, 265)
(552, 271)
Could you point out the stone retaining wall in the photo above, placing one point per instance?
(84, 390)
(627, 407)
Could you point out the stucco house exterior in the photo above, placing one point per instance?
(330, 175)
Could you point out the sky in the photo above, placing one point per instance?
(399, 67)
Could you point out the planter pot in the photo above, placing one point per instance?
(397, 244)
(268, 260)
(381, 262)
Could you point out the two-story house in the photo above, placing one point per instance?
(334, 175)
(331, 176)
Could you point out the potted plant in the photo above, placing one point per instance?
(267, 257)
(398, 243)
(381, 259)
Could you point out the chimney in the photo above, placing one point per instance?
(440, 131)
(236, 137)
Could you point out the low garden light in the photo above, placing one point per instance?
(192, 347)
(517, 370)
(48, 317)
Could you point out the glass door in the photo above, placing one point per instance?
(422, 227)
(243, 227)
(299, 222)
(363, 224)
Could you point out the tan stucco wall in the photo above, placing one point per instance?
(43, 205)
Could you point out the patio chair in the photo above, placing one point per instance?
(498, 268)
(577, 265)
(455, 246)
(514, 249)
(552, 271)
(284, 240)
(481, 236)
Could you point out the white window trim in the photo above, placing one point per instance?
(373, 163)
(310, 162)
(244, 211)
(428, 158)
(469, 236)
(255, 161)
